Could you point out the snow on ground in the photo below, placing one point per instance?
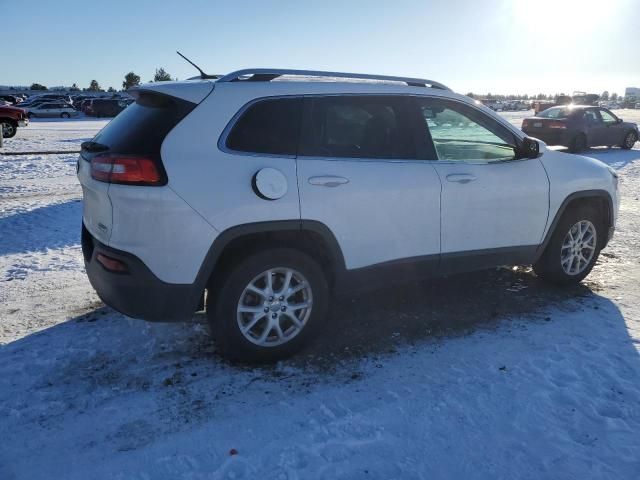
(487, 376)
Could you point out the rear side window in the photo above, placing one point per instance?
(357, 127)
(268, 126)
(590, 116)
(141, 128)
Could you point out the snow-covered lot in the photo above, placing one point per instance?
(492, 375)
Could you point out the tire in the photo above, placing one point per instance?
(232, 287)
(550, 266)
(64, 115)
(629, 140)
(578, 144)
(9, 128)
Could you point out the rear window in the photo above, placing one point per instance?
(268, 126)
(140, 128)
(556, 112)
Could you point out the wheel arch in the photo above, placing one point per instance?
(13, 121)
(309, 236)
(600, 199)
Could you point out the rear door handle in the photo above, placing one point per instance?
(328, 181)
(460, 177)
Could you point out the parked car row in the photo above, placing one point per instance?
(55, 106)
(65, 106)
(506, 105)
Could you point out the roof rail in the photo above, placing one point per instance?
(268, 74)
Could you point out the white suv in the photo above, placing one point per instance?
(261, 193)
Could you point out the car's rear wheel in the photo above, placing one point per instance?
(64, 115)
(573, 248)
(629, 140)
(268, 306)
(578, 144)
(9, 128)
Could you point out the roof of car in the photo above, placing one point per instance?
(269, 74)
(270, 81)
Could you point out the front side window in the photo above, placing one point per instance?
(353, 126)
(268, 126)
(607, 117)
(461, 133)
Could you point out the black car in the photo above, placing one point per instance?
(12, 99)
(78, 99)
(581, 126)
(104, 107)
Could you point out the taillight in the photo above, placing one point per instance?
(556, 124)
(125, 169)
(525, 123)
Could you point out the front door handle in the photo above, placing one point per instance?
(328, 181)
(460, 177)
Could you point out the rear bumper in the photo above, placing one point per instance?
(550, 138)
(137, 293)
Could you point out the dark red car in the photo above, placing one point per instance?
(11, 118)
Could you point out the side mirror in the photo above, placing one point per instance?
(618, 120)
(530, 148)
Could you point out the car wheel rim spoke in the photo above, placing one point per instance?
(630, 140)
(578, 247)
(252, 323)
(274, 307)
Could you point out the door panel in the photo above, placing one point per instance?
(609, 132)
(505, 205)
(388, 210)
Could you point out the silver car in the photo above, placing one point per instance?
(52, 109)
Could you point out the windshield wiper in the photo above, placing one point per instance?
(93, 146)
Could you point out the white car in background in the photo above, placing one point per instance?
(261, 198)
(52, 109)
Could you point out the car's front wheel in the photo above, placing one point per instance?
(573, 248)
(9, 128)
(268, 306)
(629, 140)
(64, 115)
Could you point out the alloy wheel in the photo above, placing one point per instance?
(630, 140)
(7, 130)
(274, 307)
(578, 247)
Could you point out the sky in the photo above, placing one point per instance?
(489, 46)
